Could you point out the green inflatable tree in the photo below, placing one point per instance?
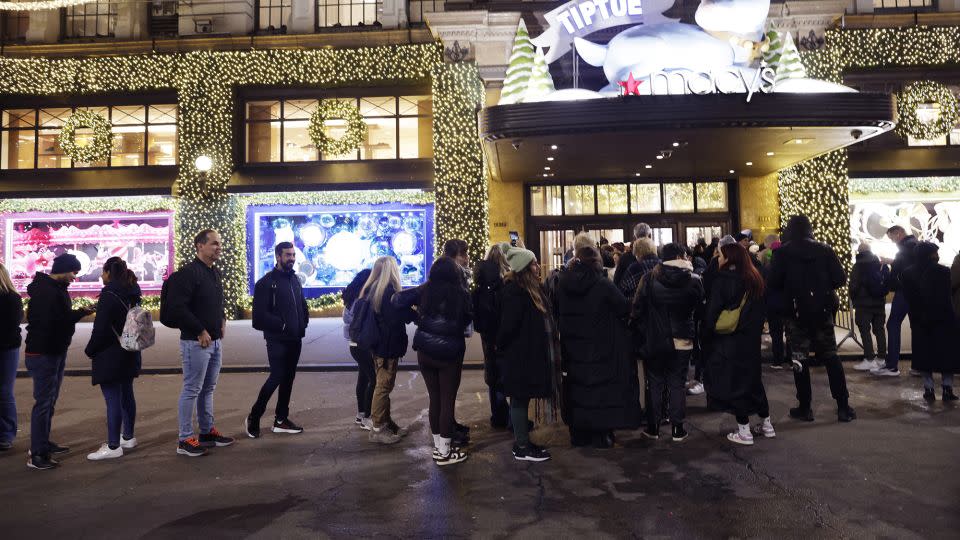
(540, 83)
(519, 68)
(784, 57)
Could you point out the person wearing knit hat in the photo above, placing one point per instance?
(50, 326)
(726, 240)
(518, 259)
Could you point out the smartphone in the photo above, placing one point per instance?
(514, 238)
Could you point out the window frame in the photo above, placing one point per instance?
(903, 9)
(5, 19)
(339, 26)
(630, 182)
(285, 7)
(68, 15)
(37, 128)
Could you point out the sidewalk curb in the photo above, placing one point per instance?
(310, 368)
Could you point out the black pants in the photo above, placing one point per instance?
(366, 379)
(820, 340)
(776, 338)
(441, 377)
(283, 357)
(670, 375)
(743, 414)
(499, 408)
(47, 372)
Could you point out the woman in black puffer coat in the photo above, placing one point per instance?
(114, 368)
(444, 311)
(601, 387)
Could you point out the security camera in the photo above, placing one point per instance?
(516, 144)
(856, 133)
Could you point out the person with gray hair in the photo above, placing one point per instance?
(640, 230)
(868, 291)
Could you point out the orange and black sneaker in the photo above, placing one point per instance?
(190, 448)
(215, 438)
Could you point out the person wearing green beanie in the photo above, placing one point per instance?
(518, 259)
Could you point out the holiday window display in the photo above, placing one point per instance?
(145, 241)
(334, 242)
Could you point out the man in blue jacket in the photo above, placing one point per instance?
(280, 312)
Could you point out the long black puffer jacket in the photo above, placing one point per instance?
(437, 336)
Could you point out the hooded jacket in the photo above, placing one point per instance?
(867, 264)
(279, 308)
(790, 272)
(111, 362)
(50, 321)
(486, 315)
(601, 388)
(904, 259)
(679, 293)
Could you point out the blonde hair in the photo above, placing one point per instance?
(642, 247)
(583, 239)
(496, 254)
(529, 282)
(6, 284)
(385, 273)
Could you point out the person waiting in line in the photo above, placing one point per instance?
(458, 250)
(713, 265)
(526, 347)
(366, 372)
(383, 283)
(280, 312)
(645, 255)
(734, 322)
(868, 291)
(488, 281)
(933, 323)
(663, 311)
(906, 247)
(443, 312)
(50, 326)
(601, 389)
(808, 273)
(11, 315)
(774, 306)
(114, 367)
(640, 230)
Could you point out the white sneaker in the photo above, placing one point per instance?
(865, 365)
(740, 438)
(128, 444)
(695, 389)
(105, 453)
(765, 429)
(885, 372)
(366, 423)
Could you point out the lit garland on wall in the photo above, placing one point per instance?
(351, 140)
(462, 198)
(925, 184)
(205, 82)
(40, 5)
(98, 148)
(90, 205)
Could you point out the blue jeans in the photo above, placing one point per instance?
(201, 369)
(121, 410)
(9, 360)
(898, 312)
(47, 373)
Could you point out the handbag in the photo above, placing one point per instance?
(729, 318)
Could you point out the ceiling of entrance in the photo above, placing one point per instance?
(674, 136)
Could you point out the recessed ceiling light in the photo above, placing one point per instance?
(659, 156)
(636, 174)
(553, 147)
(770, 153)
(749, 163)
(732, 171)
(648, 166)
(550, 158)
(546, 168)
(545, 175)
(676, 144)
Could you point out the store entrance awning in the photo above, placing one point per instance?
(695, 136)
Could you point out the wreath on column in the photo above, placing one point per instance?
(97, 149)
(351, 140)
(921, 92)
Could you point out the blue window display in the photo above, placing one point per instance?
(334, 242)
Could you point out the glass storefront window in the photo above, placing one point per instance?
(678, 197)
(263, 142)
(142, 135)
(578, 201)
(645, 198)
(711, 196)
(381, 139)
(545, 201)
(612, 199)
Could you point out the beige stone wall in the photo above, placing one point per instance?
(760, 205)
(506, 198)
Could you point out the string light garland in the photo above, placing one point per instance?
(41, 5)
(98, 148)
(923, 184)
(204, 82)
(351, 140)
(909, 123)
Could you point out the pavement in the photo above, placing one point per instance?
(889, 474)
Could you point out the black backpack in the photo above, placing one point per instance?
(167, 318)
(813, 298)
(364, 328)
(876, 282)
(486, 309)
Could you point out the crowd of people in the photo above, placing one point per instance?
(568, 346)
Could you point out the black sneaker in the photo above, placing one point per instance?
(5, 445)
(948, 394)
(801, 413)
(530, 452)
(215, 438)
(455, 456)
(190, 448)
(57, 449)
(928, 394)
(460, 428)
(651, 433)
(286, 426)
(41, 462)
(251, 427)
(846, 414)
(460, 439)
(679, 434)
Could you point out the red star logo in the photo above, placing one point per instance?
(630, 86)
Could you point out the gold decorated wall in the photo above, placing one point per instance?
(760, 205)
(506, 210)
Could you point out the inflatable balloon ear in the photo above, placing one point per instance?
(743, 17)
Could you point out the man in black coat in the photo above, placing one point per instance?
(640, 230)
(280, 312)
(906, 244)
(808, 273)
(50, 326)
(868, 293)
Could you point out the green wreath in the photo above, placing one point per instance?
(351, 140)
(98, 149)
(918, 93)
